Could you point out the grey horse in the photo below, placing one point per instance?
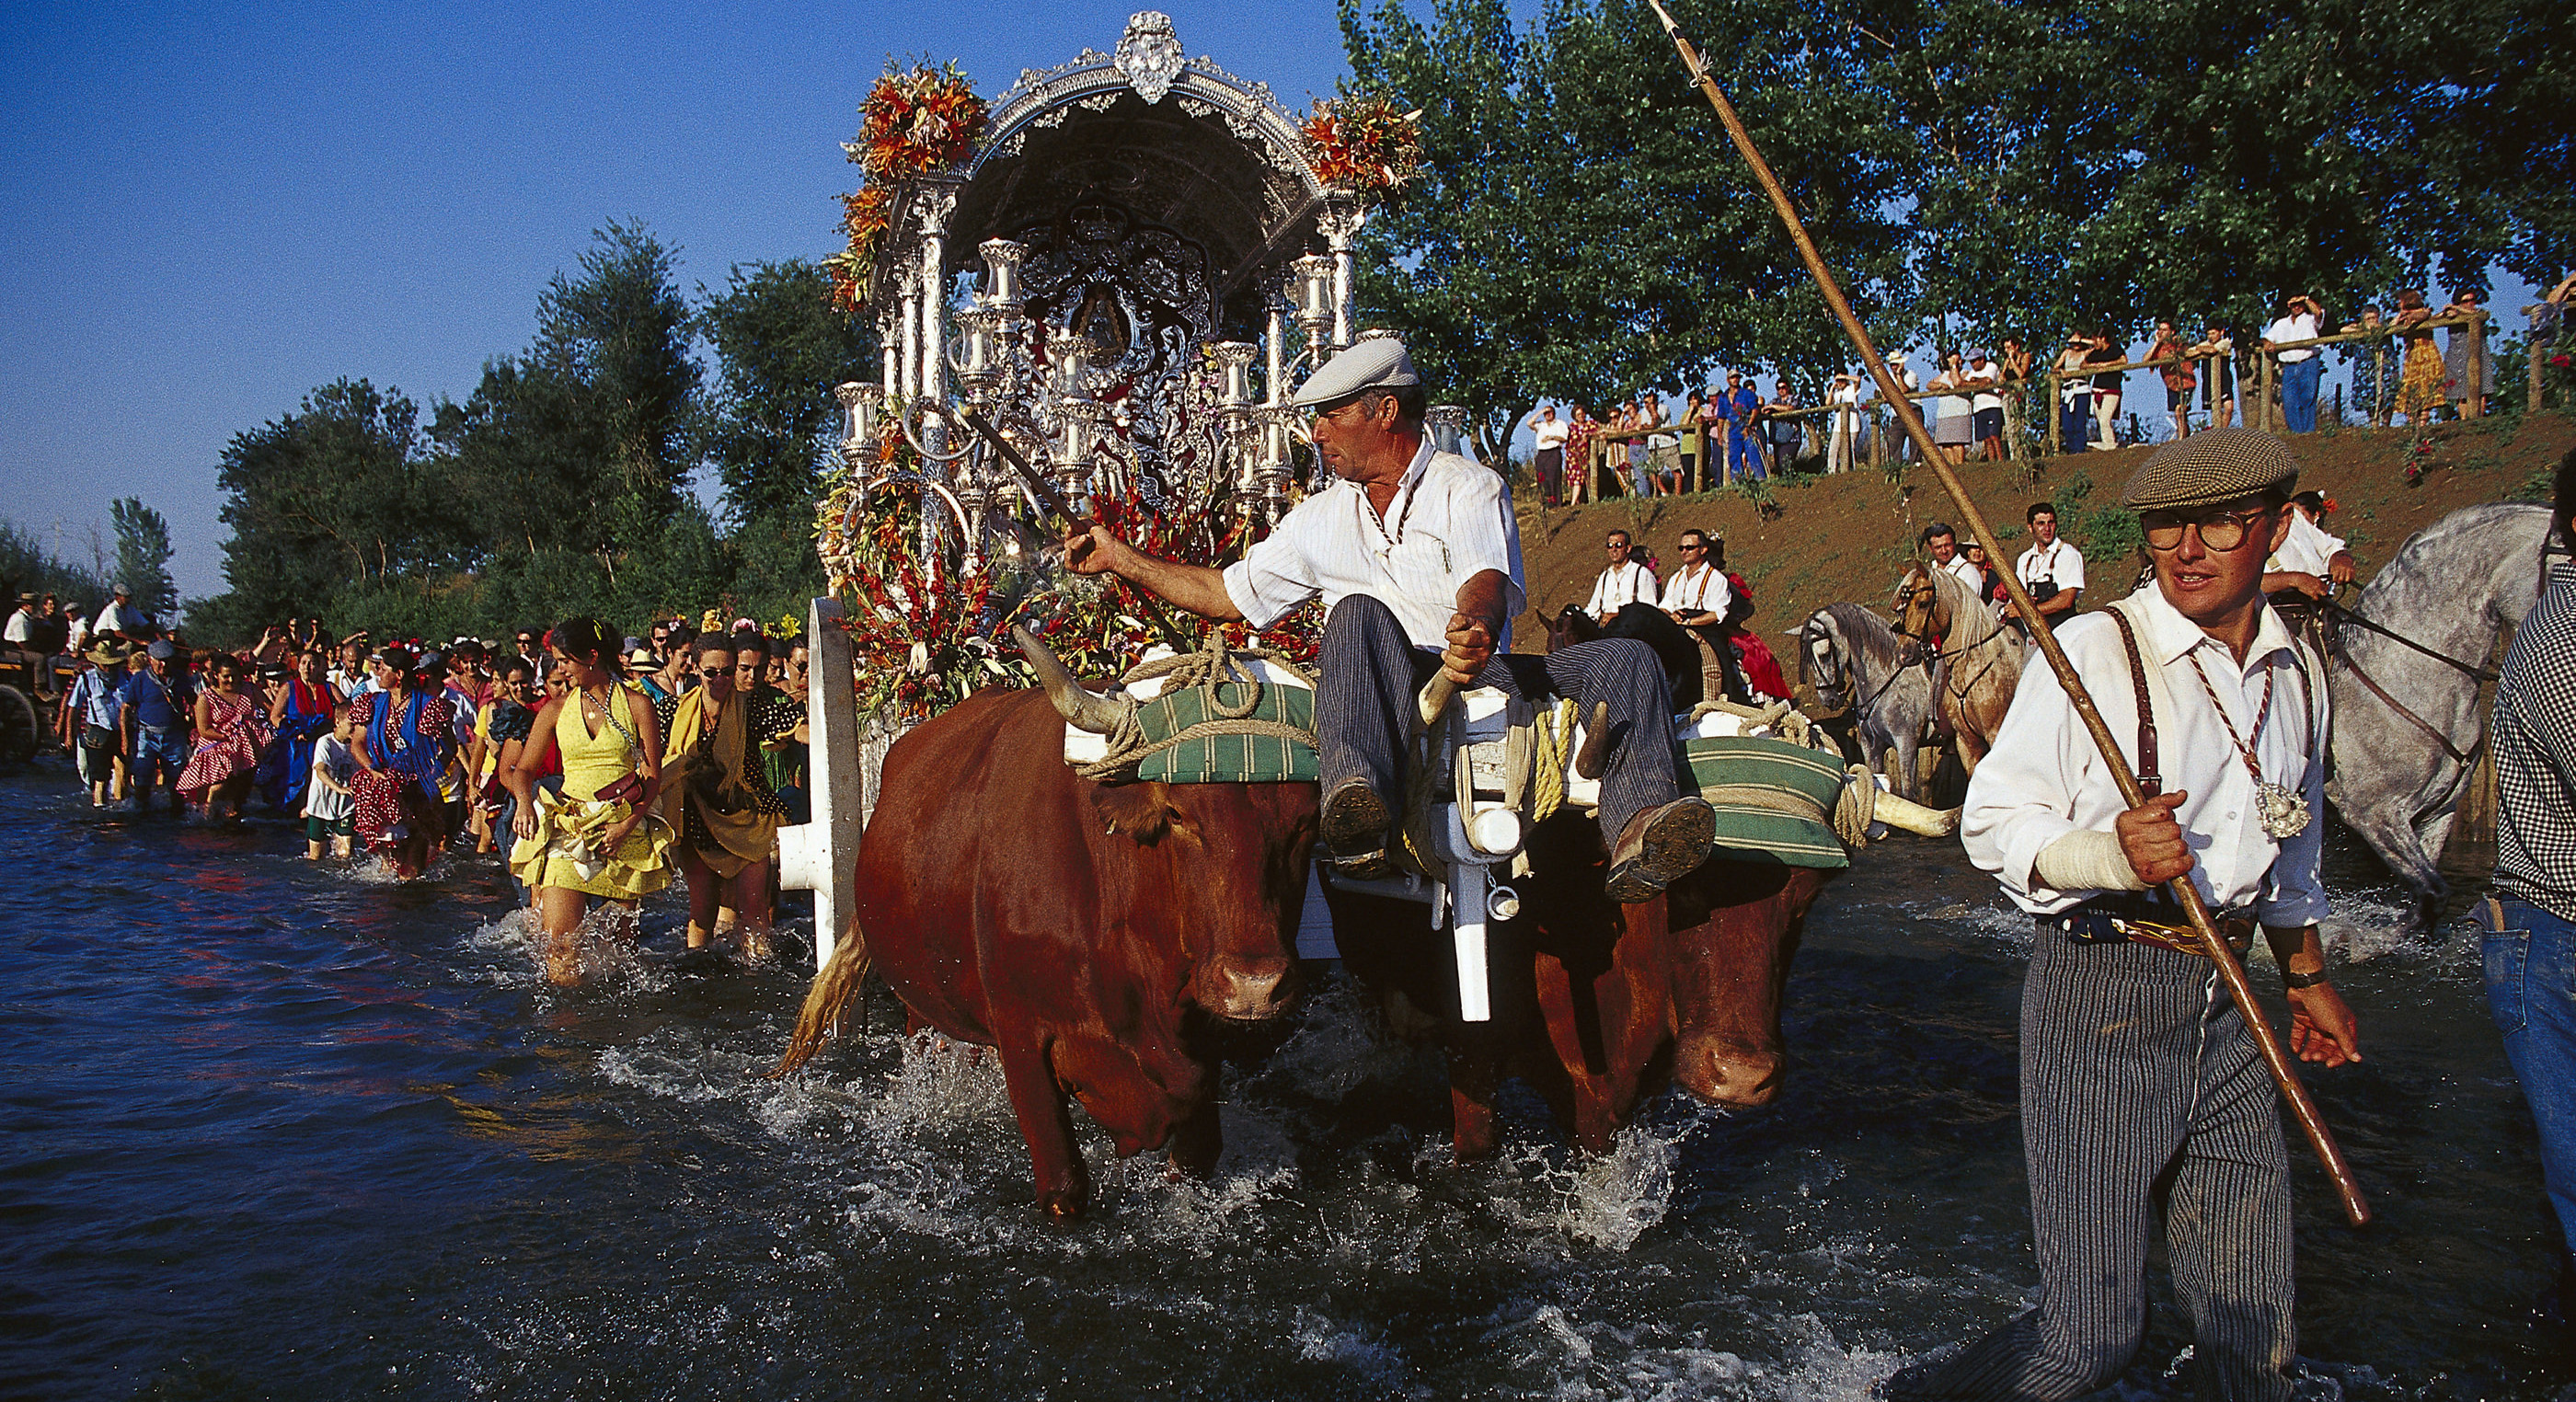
(1853, 658)
(2398, 777)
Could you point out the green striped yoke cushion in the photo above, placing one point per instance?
(1750, 832)
(1213, 756)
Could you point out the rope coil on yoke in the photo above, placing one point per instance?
(1125, 746)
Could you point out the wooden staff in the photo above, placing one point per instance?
(1054, 503)
(2284, 1074)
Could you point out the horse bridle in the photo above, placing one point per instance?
(2478, 675)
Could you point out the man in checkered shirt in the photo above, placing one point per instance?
(2531, 918)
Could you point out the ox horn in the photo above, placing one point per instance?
(1588, 761)
(1905, 815)
(1083, 709)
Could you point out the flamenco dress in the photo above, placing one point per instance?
(410, 750)
(568, 851)
(236, 732)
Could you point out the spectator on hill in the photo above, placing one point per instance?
(2015, 361)
(1784, 435)
(2106, 388)
(2217, 348)
(2075, 395)
(2299, 321)
(1663, 450)
(1694, 414)
(1548, 433)
(1743, 408)
(1843, 397)
(2464, 387)
(2375, 365)
(1908, 384)
(2168, 351)
(1955, 427)
(1623, 582)
(1986, 404)
(2421, 384)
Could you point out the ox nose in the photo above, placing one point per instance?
(1252, 990)
(1727, 1073)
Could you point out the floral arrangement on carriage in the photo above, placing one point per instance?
(1364, 144)
(915, 121)
(924, 627)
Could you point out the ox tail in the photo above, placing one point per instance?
(835, 985)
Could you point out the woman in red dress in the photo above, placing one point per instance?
(232, 729)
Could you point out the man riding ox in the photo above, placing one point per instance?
(1417, 559)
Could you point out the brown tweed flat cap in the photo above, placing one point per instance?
(2209, 467)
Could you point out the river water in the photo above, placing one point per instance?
(279, 1131)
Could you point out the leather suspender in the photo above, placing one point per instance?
(2149, 780)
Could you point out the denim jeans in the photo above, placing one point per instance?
(2299, 393)
(2531, 989)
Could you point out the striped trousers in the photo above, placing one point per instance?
(1368, 673)
(2140, 1089)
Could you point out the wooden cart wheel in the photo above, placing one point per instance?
(19, 738)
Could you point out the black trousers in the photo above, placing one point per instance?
(1370, 673)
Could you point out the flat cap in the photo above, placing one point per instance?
(161, 651)
(119, 589)
(1379, 362)
(2209, 467)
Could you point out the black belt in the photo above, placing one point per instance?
(2140, 918)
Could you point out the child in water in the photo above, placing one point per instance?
(329, 808)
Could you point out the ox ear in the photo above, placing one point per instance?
(1142, 811)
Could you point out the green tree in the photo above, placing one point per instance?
(340, 491)
(771, 425)
(143, 553)
(1582, 228)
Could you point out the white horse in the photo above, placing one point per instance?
(1853, 659)
(2410, 654)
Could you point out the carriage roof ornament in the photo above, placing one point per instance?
(1149, 55)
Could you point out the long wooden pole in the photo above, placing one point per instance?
(2284, 1075)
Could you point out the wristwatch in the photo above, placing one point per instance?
(2294, 980)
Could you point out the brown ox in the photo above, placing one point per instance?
(1600, 1005)
(1092, 936)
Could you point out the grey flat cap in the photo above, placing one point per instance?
(1377, 363)
(161, 651)
(2212, 466)
(119, 589)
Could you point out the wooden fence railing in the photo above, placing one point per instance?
(1867, 419)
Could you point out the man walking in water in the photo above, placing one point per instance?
(2141, 1089)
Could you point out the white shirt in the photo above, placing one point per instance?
(1847, 392)
(331, 760)
(1966, 570)
(20, 623)
(2059, 561)
(1450, 521)
(2307, 549)
(1619, 586)
(2298, 326)
(1985, 380)
(1702, 589)
(1550, 433)
(2044, 779)
(80, 634)
(119, 617)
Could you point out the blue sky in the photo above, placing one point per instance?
(207, 211)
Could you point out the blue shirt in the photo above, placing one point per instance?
(157, 704)
(98, 696)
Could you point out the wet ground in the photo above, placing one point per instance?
(279, 1131)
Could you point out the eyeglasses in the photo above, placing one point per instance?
(1686, 545)
(712, 673)
(2220, 531)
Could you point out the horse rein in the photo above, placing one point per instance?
(2328, 608)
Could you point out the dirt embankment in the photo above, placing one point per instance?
(1823, 539)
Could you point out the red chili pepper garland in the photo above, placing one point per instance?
(914, 122)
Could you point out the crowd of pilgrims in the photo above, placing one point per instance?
(600, 766)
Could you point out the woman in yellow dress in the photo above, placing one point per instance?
(598, 837)
(2421, 387)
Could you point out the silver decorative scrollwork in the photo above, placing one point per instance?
(1149, 54)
